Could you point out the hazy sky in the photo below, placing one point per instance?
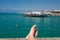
(29, 4)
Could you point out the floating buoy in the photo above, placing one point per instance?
(17, 25)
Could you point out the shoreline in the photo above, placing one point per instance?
(53, 38)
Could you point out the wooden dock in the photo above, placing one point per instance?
(24, 38)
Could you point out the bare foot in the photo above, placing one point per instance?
(32, 34)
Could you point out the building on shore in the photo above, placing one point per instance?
(43, 13)
(38, 13)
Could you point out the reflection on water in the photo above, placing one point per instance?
(47, 27)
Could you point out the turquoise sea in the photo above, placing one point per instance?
(18, 26)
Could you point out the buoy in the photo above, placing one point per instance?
(17, 25)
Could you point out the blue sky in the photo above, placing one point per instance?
(29, 4)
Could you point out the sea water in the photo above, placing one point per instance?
(18, 26)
